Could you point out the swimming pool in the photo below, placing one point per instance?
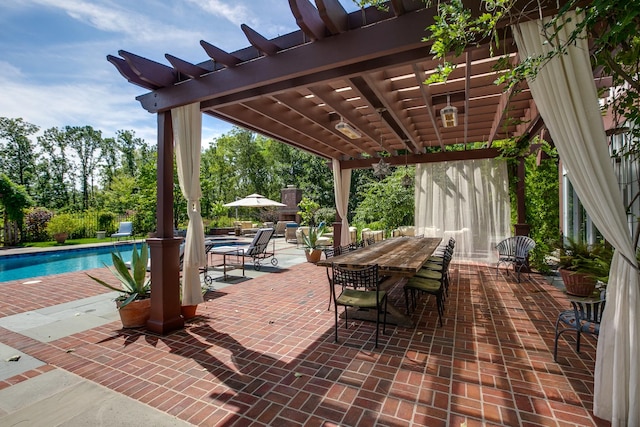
(25, 266)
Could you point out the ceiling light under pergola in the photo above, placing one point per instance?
(348, 130)
(449, 115)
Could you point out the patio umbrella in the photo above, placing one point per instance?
(254, 201)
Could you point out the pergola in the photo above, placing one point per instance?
(365, 69)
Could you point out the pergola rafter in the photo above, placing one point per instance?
(367, 68)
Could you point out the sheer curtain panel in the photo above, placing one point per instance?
(467, 200)
(566, 96)
(187, 131)
(341, 188)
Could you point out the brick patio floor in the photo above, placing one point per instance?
(262, 353)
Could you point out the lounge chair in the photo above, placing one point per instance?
(234, 256)
(125, 229)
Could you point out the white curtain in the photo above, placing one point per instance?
(566, 96)
(467, 200)
(341, 188)
(187, 130)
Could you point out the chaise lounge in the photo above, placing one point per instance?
(125, 229)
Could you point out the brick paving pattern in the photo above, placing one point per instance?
(262, 352)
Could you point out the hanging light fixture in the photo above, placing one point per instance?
(406, 180)
(449, 115)
(381, 169)
(348, 130)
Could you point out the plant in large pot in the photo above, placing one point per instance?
(582, 265)
(310, 243)
(60, 226)
(134, 303)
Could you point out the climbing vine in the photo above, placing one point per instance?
(14, 199)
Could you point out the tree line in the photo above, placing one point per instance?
(77, 169)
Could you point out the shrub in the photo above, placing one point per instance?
(326, 215)
(62, 223)
(36, 221)
(106, 222)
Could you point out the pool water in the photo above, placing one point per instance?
(25, 266)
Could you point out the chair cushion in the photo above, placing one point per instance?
(429, 274)
(427, 285)
(568, 317)
(355, 298)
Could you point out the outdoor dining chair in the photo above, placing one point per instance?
(429, 283)
(515, 251)
(359, 288)
(583, 318)
(330, 252)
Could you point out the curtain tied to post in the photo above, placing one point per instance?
(566, 96)
(187, 131)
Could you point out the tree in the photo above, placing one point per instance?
(387, 202)
(55, 180)
(14, 199)
(86, 143)
(17, 156)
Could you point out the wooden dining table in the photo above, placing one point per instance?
(398, 259)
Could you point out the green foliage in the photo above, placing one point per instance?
(36, 220)
(326, 215)
(62, 223)
(307, 210)
(310, 240)
(380, 4)
(17, 152)
(455, 28)
(387, 202)
(542, 206)
(106, 222)
(135, 283)
(15, 199)
(594, 260)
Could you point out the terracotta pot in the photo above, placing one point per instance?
(188, 311)
(135, 314)
(578, 284)
(313, 255)
(60, 237)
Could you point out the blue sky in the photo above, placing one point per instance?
(53, 67)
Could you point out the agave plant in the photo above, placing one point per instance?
(310, 241)
(135, 284)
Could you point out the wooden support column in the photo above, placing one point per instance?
(337, 231)
(521, 228)
(165, 249)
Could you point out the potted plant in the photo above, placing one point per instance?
(189, 311)
(310, 243)
(134, 303)
(61, 226)
(582, 266)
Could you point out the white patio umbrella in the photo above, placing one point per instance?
(254, 201)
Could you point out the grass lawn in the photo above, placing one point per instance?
(70, 242)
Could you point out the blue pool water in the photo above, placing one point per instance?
(24, 266)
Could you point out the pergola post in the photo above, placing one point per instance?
(165, 249)
(521, 228)
(337, 231)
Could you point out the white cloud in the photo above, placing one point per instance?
(9, 71)
(236, 14)
(104, 107)
(113, 18)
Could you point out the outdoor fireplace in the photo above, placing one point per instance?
(290, 196)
